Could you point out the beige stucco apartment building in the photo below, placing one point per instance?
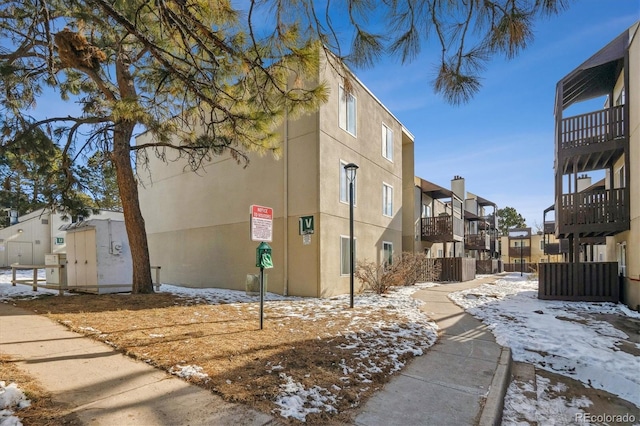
(198, 224)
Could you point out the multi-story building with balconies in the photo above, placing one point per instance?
(605, 141)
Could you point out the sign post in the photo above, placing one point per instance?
(262, 230)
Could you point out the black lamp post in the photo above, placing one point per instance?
(350, 169)
(521, 258)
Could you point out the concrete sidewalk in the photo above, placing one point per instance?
(461, 380)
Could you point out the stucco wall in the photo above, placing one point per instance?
(198, 224)
(632, 237)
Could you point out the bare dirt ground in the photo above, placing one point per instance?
(235, 359)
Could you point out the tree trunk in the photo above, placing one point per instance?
(133, 220)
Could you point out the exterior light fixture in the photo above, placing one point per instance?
(351, 169)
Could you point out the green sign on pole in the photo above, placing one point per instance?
(306, 225)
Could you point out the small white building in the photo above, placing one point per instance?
(36, 234)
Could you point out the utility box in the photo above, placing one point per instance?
(98, 257)
(57, 276)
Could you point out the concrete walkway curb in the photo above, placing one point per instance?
(494, 405)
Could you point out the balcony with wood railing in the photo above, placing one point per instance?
(593, 128)
(477, 242)
(552, 249)
(596, 213)
(595, 139)
(520, 252)
(442, 229)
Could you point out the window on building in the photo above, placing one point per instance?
(345, 260)
(347, 111)
(344, 185)
(387, 252)
(387, 200)
(387, 143)
(426, 211)
(541, 244)
(619, 180)
(440, 252)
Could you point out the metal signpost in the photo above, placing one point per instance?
(262, 230)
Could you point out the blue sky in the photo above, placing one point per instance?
(502, 141)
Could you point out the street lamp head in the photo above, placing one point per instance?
(351, 171)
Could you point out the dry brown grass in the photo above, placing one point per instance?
(312, 345)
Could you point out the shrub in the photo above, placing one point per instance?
(404, 270)
(378, 277)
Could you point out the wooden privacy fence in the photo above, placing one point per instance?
(588, 282)
(515, 267)
(448, 269)
(488, 266)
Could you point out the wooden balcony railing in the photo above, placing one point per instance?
(557, 248)
(594, 213)
(442, 229)
(592, 128)
(520, 252)
(477, 242)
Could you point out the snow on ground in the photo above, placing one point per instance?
(544, 409)
(11, 398)
(21, 291)
(557, 336)
(295, 400)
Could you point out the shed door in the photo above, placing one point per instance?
(20, 252)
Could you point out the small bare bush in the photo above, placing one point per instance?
(378, 277)
(404, 270)
(413, 266)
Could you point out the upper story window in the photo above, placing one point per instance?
(387, 200)
(387, 143)
(347, 111)
(426, 211)
(344, 185)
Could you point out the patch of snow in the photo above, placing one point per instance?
(11, 398)
(297, 402)
(557, 336)
(21, 291)
(519, 409)
(188, 371)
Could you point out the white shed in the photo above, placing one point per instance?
(98, 257)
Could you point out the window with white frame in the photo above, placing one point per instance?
(345, 259)
(387, 199)
(619, 180)
(344, 185)
(387, 252)
(347, 111)
(387, 142)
